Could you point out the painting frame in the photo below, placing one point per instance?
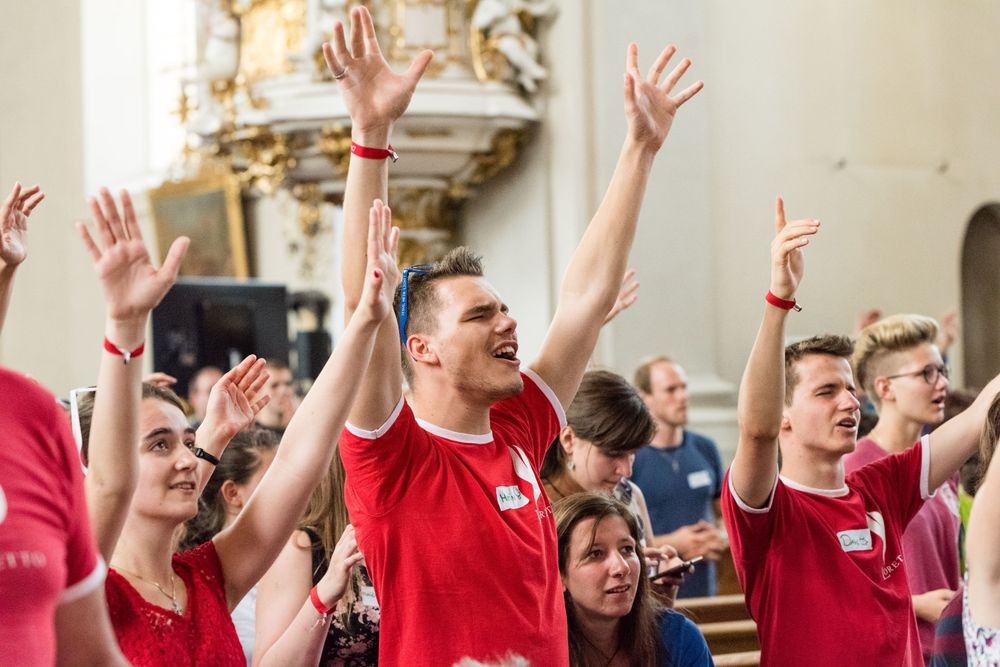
(209, 210)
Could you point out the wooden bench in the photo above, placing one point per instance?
(714, 609)
(730, 636)
(742, 659)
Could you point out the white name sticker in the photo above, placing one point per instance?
(510, 498)
(855, 540)
(696, 480)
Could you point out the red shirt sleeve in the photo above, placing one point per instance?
(899, 482)
(750, 529)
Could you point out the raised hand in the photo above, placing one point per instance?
(626, 298)
(235, 400)
(132, 286)
(787, 263)
(381, 274)
(375, 96)
(14, 223)
(345, 556)
(649, 107)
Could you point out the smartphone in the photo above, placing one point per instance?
(679, 569)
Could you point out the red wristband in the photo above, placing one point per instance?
(318, 604)
(784, 304)
(374, 153)
(126, 355)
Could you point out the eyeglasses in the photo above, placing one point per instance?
(930, 373)
(404, 301)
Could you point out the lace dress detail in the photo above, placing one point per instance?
(982, 645)
(152, 635)
(352, 640)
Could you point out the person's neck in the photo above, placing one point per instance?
(451, 409)
(602, 633)
(895, 433)
(145, 548)
(667, 436)
(812, 469)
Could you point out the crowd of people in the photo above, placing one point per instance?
(494, 513)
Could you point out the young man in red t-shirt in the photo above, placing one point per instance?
(818, 552)
(445, 496)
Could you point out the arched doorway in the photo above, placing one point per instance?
(981, 296)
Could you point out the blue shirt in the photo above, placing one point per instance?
(680, 485)
(682, 642)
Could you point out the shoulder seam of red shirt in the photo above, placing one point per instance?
(549, 394)
(381, 430)
(742, 505)
(86, 585)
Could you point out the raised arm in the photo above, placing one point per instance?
(375, 97)
(983, 543)
(594, 275)
(762, 390)
(132, 287)
(955, 441)
(14, 238)
(250, 545)
(290, 631)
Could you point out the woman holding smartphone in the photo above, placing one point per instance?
(613, 617)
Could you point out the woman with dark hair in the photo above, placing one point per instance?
(148, 467)
(613, 617)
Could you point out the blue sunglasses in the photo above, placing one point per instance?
(404, 300)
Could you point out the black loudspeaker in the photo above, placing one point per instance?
(312, 348)
(217, 322)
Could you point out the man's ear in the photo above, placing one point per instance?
(232, 495)
(567, 439)
(786, 423)
(418, 346)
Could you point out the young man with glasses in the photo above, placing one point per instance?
(900, 367)
(817, 550)
(444, 489)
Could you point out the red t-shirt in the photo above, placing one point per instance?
(930, 542)
(459, 536)
(823, 570)
(47, 553)
(203, 635)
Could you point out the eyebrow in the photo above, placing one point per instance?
(155, 433)
(484, 309)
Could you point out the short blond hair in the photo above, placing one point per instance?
(878, 342)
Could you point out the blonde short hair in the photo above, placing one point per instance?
(877, 342)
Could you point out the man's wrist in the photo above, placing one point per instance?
(374, 137)
(126, 333)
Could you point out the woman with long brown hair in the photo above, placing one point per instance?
(613, 617)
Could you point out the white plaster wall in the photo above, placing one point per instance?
(49, 326)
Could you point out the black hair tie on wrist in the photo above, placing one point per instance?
(205, 456)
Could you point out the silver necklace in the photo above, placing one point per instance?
(173, 588)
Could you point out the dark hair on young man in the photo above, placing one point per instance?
(85, 407)
(608, 412)
(239, 463)
(641, 379)
(639, 633)
(829, 344)
(422, 297)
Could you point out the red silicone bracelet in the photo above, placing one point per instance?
(122, 352)
(318, 604)
(784, 304)
(374, 153)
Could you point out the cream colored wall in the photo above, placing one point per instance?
(54, 325)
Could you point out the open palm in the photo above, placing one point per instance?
(14, 223)
(382, 274)
(132, 285)
(787, 260)
(235, 400)
(649, 107)
(375, 96)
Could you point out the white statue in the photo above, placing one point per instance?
(498, 19)
(322, 14)
(220, 57)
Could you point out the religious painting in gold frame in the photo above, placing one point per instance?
(209, 211)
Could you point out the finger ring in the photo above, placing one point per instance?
(340, 76)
